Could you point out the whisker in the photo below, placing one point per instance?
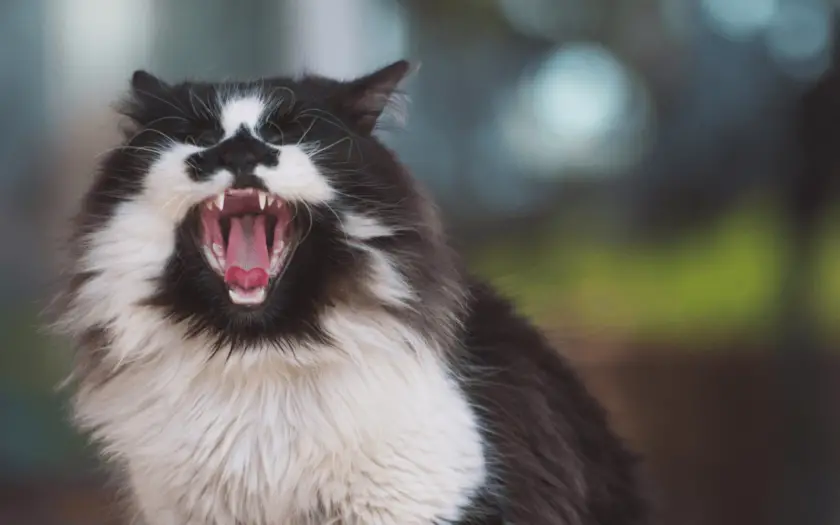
(167, 102)
(305, 133)
(172, 141)
(144, 149)
(315, 154)
(330, 118)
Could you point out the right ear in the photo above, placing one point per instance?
(146, 85)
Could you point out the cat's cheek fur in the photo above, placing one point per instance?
(168, 190)
(393, 441)
(296, 178)
(126, 256)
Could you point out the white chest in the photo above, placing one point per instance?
(390, 442)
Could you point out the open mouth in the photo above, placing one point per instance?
(246, 236)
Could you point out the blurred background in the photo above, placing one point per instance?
(652, 181)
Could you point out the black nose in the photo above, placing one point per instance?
(242, 153)
(239, 160)
(239, 154)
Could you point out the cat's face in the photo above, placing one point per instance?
(244, 211)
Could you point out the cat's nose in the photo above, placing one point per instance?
(239, 155)
(242, 153)
(240, 161)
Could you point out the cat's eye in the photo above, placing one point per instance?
(206, 138)
(271, 133)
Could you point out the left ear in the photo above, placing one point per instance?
(365, 98)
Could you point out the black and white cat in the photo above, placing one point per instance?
(272, 330)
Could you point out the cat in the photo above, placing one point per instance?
(272, 329)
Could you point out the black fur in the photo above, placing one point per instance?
(552, 457)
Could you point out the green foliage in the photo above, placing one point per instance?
(721, 282)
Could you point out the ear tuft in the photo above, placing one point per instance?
(367, 97)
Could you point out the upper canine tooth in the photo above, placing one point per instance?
(220, 201)
(262, 197)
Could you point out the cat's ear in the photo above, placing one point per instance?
(366, 98)
(148, 97)
(146, 85)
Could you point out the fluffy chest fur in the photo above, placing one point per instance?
(389, 440)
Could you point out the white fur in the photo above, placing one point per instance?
(170, 191)
(372, 431)
(387, 283)
(296, 177)
(384, 437)
(364, 228)
(242, 111)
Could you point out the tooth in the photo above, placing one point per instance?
(218, 250)
(262, 198)
(209, 205)
(270, 200)
(220, 201)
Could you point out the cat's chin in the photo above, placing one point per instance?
(247, 239)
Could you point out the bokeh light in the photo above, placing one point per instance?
(739, 19)
(581, 110)
(799, 38)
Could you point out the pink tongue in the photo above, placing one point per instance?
(247, 253)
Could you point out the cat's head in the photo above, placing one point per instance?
(243, 213)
